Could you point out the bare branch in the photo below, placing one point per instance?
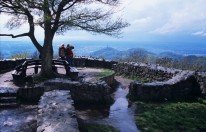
(16, 36)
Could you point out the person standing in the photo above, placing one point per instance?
(62, 54)
(69, 54)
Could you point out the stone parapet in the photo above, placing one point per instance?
(82, 92)
(30, 95)
(93, 62)
(201, 79)
(141, 70)
(183, 86)
(9, 64)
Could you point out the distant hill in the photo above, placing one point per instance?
(170, 55)
(139, 51)
(167, 59)
(107, 53)
(112, 54)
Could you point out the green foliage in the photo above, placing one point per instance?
(201, 100)
(98, 128)
(105, 72)
(185, 63)
(139, 79)
(179, 116)
(24, 54)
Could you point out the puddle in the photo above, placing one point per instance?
(119, 115)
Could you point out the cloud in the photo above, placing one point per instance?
(142, 21)
(153, 18)
(166, 17)
(199, 33)
(189, 17)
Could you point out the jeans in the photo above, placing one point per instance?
(70, 61)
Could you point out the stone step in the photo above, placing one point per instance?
(8, 99)
(7, 92)
(8, 105)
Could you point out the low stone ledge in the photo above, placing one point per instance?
(9, 64)
(30, 95)
(82, 92)
(201, 78)
(110, 80)
(181, 87)
(145, 71)
(56, 112)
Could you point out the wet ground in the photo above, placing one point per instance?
(21, 119)
(6, 80)
(120, 114)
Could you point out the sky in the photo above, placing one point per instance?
(150, 20)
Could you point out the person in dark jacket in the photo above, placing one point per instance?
(69, 54)
(62, 52)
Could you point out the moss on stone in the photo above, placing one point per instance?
(104, 73)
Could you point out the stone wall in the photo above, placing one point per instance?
(30, 95)
(93, 62)
(162, 75)
(110, 80)
(201, 79)
(181, 87)
(9, 64)
(82, 92)
(144, 71)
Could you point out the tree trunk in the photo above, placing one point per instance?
(47, 56)
(47, 51)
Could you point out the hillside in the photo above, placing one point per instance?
(110, 53)
(107, 53)
(170, 55)
(167, 59)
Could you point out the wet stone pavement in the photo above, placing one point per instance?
(56, 112)
(26, 118)
(21, 119)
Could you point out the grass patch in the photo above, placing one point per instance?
(139, 79)
(104, 73)
(24, 54)
(98, 128)
(181, 116)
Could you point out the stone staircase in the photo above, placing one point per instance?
(8, 98)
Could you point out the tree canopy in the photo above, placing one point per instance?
(59, 16)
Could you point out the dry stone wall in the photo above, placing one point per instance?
(93, 62)
(141, 70)
(9, 64)
(201, 79)
(181, 87)
(145, 71)
(82, 92)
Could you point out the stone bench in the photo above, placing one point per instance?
(73, 73)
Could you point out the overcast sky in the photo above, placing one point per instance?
(151, 20)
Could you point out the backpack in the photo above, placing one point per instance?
(61, 52)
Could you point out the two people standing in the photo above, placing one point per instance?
(67, 53)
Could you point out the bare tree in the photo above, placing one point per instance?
(59, 16)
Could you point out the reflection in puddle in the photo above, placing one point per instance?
(118, 115)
